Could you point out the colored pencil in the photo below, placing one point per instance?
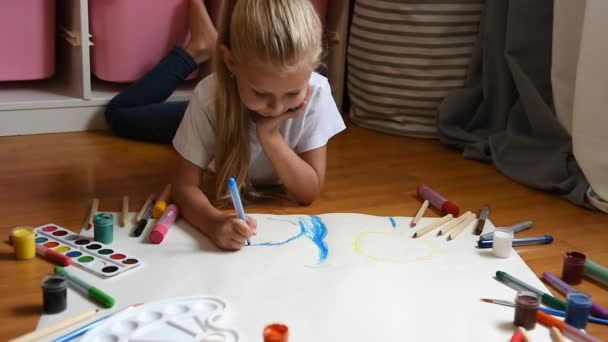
(125, 211)
(94, 206)
(450, 225)
(419, 213)
(51, 329)
(459, 228)
(433, 225)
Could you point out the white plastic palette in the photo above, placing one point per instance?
(179, 319)
(90, 255)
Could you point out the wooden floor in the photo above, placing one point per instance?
(52, 178)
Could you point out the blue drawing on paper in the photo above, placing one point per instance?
(393, 222)
(311, 227)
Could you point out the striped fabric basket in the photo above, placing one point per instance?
(404, 56)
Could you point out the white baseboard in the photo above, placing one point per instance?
(51, 120)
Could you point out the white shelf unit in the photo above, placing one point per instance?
(73, 100)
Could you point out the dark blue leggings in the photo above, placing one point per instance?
(140, 111)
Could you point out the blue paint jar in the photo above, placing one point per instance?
(578, 307)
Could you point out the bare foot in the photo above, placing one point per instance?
(202, 32)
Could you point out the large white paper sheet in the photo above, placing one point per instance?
(332, 277)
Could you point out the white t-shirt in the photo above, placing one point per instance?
(195, 137)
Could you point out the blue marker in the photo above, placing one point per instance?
(532, 240)
(518, 227)
(236, 201)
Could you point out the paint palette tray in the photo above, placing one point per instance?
(180, 319)
(93, 256)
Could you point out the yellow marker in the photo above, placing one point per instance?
(23, 239)
(161, 202)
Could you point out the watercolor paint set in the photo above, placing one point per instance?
(93, 256)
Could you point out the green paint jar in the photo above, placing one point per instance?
(103, 225)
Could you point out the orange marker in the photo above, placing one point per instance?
(276, 333)
(568, 330)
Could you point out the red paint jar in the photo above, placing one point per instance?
(573, 268)
(526, 304)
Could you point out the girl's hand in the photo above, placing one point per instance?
(266, 126)
(230, 232)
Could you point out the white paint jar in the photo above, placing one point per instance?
(503, 243)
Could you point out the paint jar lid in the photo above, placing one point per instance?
(575, 258)
(579, 300)
(54, 283)
(276, 333)
(503, 233)
(103, 219)
(22, 232)
(527, 299)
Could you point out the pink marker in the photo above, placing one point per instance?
(160, 230)
(437, 200)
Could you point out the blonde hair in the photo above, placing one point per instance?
(277, 32)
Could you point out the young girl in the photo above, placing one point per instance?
(263, 118)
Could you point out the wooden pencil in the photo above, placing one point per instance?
(556, 335)
(433, 225)
(450, 225)
(94, 207)
(459, 228)
(143, 207)
(125, 211)
(419, 213)
(51, 329)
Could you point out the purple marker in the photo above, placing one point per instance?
(563, 288)
(437, 200)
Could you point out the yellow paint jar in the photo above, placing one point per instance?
(23, 239)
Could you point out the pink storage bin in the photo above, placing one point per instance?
(321, 7)
(131, 36)
(27, 39)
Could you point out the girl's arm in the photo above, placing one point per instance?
(226, 231)
(303, 175)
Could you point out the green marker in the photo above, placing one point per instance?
(596, 272)
(93, 292)
(517, 284)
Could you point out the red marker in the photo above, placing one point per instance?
(158, 233)
(49, 254)
(437, 200)
(53, 256)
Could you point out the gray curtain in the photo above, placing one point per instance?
(504, 114)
